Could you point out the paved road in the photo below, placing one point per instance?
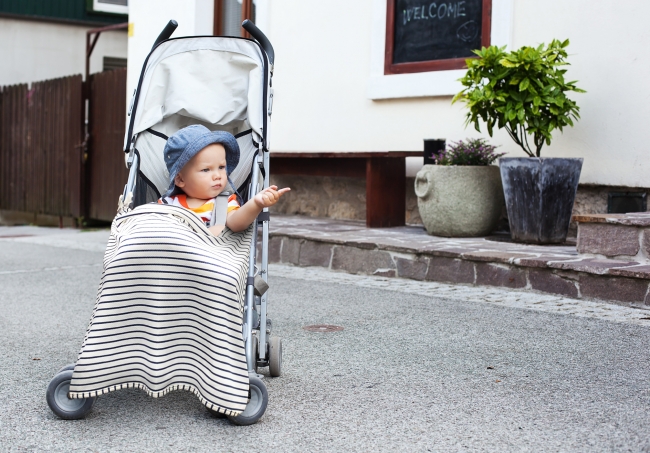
(416, 368)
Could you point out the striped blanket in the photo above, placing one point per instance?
(168, 314)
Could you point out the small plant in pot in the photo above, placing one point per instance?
(460, 194)
(524, 92)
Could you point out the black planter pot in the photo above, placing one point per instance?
(539, 195)
(433, 146)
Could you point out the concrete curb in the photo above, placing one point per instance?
(570, 276)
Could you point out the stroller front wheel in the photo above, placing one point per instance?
(67, 367)
(259, 398)
(61, 405)
(275, 356)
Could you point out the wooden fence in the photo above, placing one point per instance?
(106, 172)
(45, 165)
(41, 147)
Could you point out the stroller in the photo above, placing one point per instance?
(223, 83)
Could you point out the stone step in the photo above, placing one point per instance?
(408, 252)
(616, 236)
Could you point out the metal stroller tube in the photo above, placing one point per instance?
(260, 37)
(133, 173)
(166, 33)
(250, 291)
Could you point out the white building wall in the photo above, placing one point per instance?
(324, 69)
(326, 81)
(33, 51)
(608, 55)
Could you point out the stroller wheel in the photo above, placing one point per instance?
(61, 405)
(275, 356)
(67, 367)
(256, 406)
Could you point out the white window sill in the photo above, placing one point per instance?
(419, 84)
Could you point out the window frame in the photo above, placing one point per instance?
(430, 65)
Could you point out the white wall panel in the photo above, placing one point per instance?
(324, 64)
(327, 61)
(33, 51)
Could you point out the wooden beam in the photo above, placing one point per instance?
(385, 192)
(325, 166)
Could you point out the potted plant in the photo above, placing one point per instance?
(460, 194)
(524, 92)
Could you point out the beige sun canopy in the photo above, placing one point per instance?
(216, 82)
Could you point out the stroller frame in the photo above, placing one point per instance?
(261, 349)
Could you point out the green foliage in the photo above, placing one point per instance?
(522, 91)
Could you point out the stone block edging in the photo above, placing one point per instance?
(621, 282)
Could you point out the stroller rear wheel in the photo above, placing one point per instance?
(275, 356)
(61, 405)
(259, 398)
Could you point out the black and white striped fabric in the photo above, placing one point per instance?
(169, 309)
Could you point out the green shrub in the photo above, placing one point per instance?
(522, 91)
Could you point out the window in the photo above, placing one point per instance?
(229, 14)
(110, 63)
(109, 6)
(430, 82)
(423, 35)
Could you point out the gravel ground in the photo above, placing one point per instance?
(411, 371)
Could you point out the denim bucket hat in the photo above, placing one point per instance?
(187, 142)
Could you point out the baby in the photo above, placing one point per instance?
(200, 162)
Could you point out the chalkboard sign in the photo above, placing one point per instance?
(423, 35)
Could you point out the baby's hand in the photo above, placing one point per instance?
(270, 196)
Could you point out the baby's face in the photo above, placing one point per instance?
(204, 176)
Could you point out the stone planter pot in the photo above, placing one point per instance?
(539, 193)
(459, 201)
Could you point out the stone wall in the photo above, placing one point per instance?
(345, 199)
(334, 197)
(592, 199)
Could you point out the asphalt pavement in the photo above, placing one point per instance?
(417, 367)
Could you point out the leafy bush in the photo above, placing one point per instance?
(476, 151)
(522, 91)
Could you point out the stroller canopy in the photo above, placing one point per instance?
(218, 82)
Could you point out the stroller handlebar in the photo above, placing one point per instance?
(166, 33)
(248, 25)
(260, 37)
